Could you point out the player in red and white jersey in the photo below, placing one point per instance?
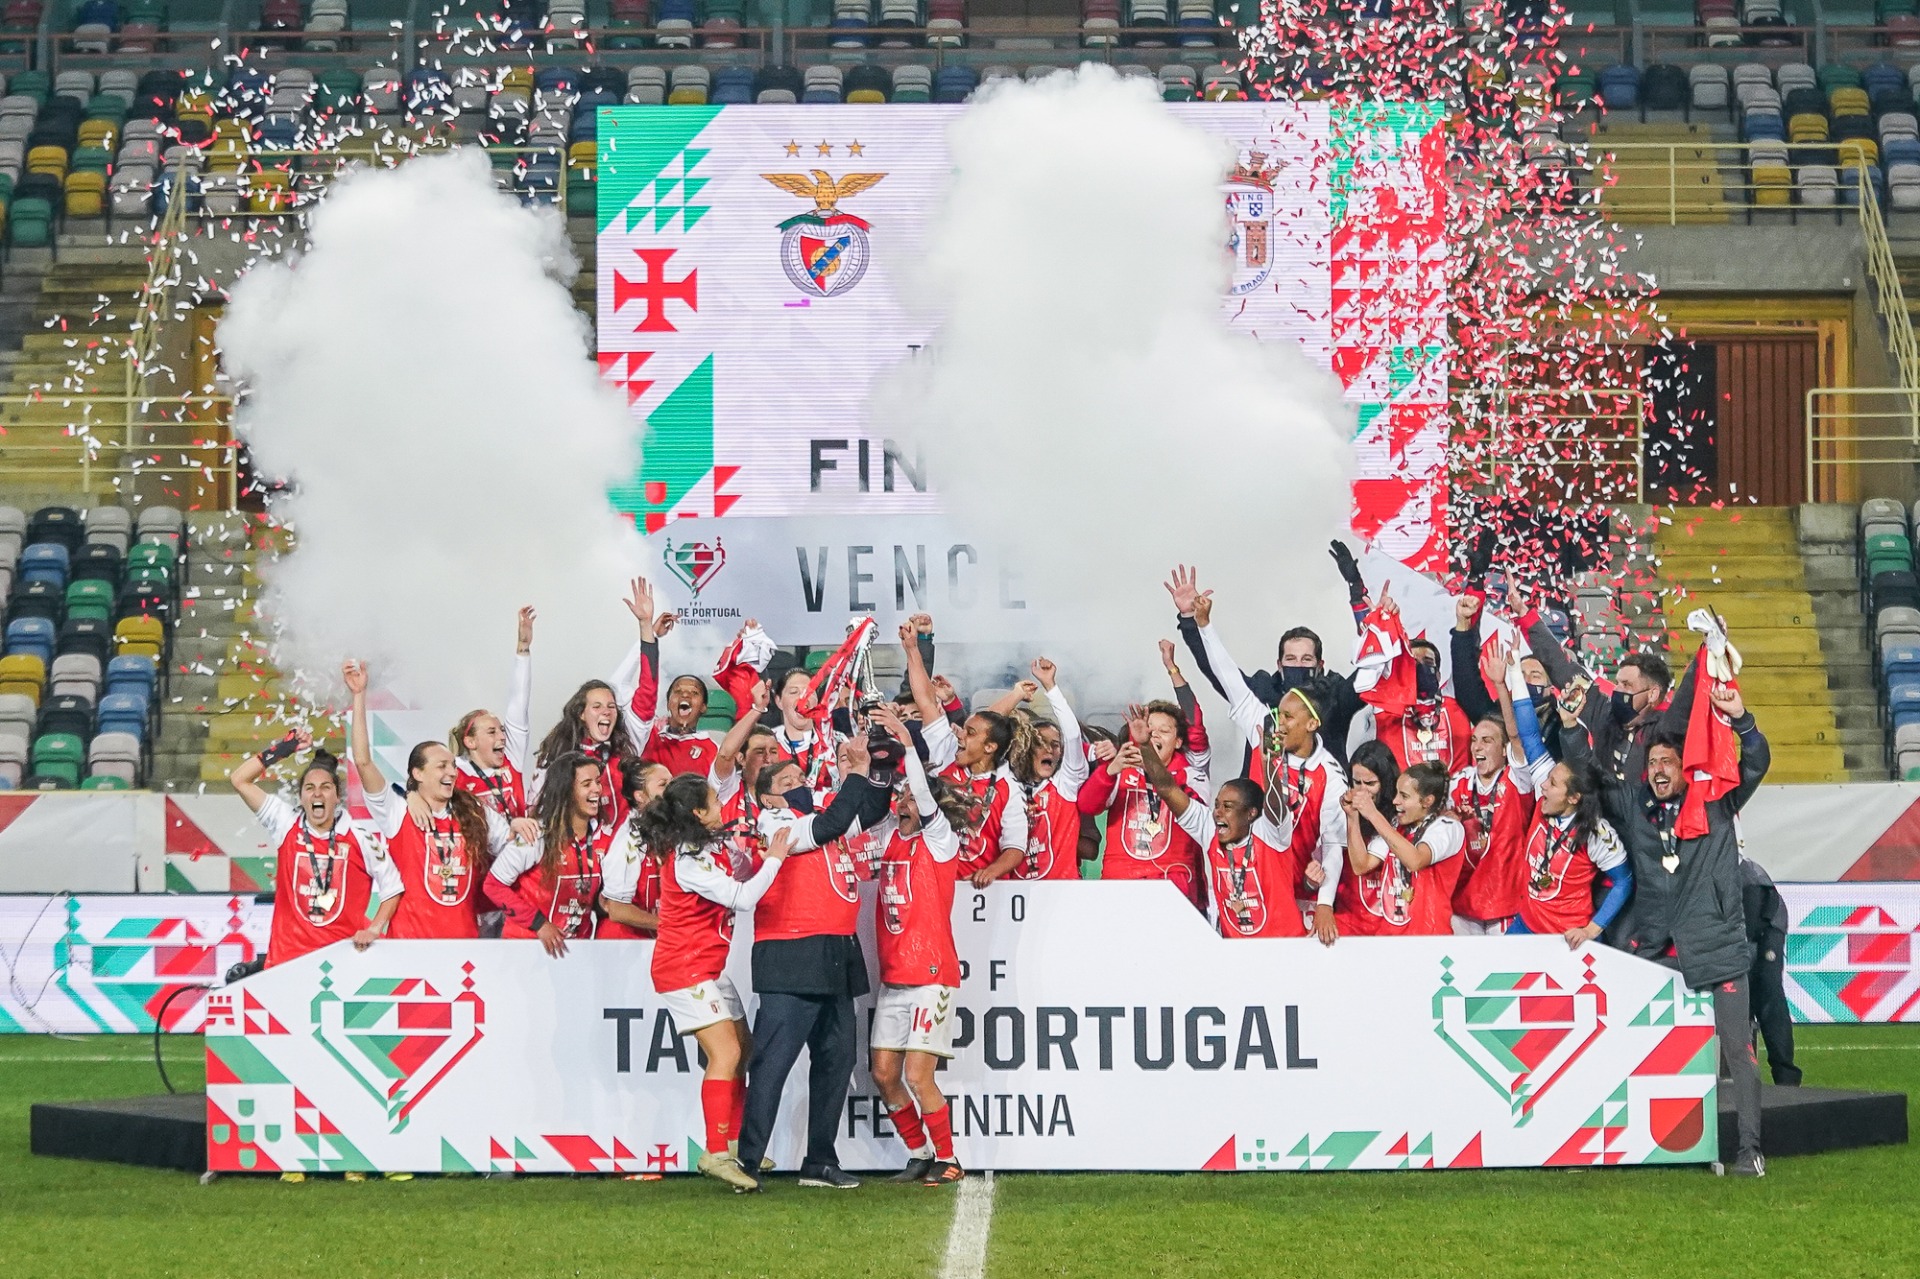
(973, 761)
(1494, 801)
(491, 750)
(1400, 679)
(1570, 843)
(1248, 838)
(1143, 840)
(1050, 774)
(442, 851)
(1309, 778)
(598, 719)
(699, 895)
(913, 1016)
(630, 880)
(1405, 865)
(327, 869)
(796, 735)
(552, 891)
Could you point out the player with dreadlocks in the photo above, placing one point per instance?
(700, 892)
(914, 1015)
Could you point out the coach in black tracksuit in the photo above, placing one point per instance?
(1689, 908)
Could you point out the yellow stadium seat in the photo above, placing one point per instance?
(139, 637)
(1849, 102)
(519, 78)
(1772, 185)
(99, 133)
(687, 97)
(86, 191)
(866, 95)
(193, 102)
(22, 688)
(582, 154)
(1855, 151)
(51, 160)
(270, 192)
(1807, 127)
(23, 668)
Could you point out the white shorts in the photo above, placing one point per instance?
(703, 1005)
(1464, 927)
(915, 1019)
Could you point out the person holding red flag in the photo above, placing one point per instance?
(1406, 865)
(1494, 800)
(1400, 679)
(1678, 825)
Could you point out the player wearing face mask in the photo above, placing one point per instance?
(1621, 715)
(1400, 679)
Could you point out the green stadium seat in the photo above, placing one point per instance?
(92, 599)
(105, 783)
(59, 755)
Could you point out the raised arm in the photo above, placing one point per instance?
(925, 700)
(1475, 698)
(636, 682)
(1247, 710)
(1073, 770)
(1158, 775)
(245, 777)
(359, 739)
(746, 715)
(1011, 700)
(517, 721)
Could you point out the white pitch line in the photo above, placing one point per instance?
(972, 1221)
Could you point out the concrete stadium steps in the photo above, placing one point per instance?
(227, 698)
(82, 320)
(1640, 189)
(1745, 563)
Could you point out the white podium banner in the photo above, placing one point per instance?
(1102, 1026)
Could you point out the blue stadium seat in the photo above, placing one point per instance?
(44, 562)
(135, 675)
(127, 713)
(33, 635)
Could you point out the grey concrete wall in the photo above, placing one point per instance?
(1812, 257)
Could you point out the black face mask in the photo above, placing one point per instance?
(799, 799)
(1621, 705)
(1295, 676)
(1426, 680)
(1539, 693)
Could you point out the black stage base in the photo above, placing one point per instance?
(170, 1131)
(1807, 1121)
(167, 1131)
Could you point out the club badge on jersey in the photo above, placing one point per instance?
(896, 893)
(843, 871)
(317, 875)
(1145, 831)
(448, 874)
(1427, 734)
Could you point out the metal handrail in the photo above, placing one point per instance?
(1835, 441)
(99, 427)
(1541, 443)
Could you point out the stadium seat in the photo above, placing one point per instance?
(91, 598)
(131, 674)
(124, 713)
(40, 599)
(18, 713)
(97, 562)
(61, 524)
(103, 780)
(32, 636)
(65, 713)
(86, 635)
(43, 562)
(139, 637)
(1903, 702)
(75, 675)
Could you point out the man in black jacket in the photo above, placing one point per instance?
(1688, 910)
(1767, 923)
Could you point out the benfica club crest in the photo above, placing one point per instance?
(398, 1036)
(696, 563)
(1250, 216)
(1519, 1031)
(824, 251)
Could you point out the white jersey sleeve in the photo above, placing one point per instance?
(943, 744)
(1197, 821)
(513, 861)
(942, 841)
(1074, 769)
(277, 816)
(1444, 838)
(1013, 814)
(518, 720)
(499, 830)
(387, 807)
(700, 872)
(620, 866)
(1605, 848)
(373, 855)
(1246, 709)
(1333, 833)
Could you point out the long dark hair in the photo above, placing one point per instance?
(673, 820)
(1430, 781)
(1378, 760)
(569, 736)
(552, 809)
(1010, 735)
(323, 761)
(468, 815)
(1584, 780)
(961, 812)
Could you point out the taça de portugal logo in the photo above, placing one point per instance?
(1519, 1031)
(695, 563)
(398, 1036)
(824, 251)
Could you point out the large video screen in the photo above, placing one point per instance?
(750, 264)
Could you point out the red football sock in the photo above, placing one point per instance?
(906, 1121)
(940, 1128)
(739, 1109)
(716, 1105)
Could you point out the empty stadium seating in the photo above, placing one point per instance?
(89, 599)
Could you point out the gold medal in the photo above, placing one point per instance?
(1542, 882)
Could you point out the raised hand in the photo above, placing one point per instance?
(1203, 609)
(1136, 724)
(1166, 657)
(1103, 750)
(664, 623)
(887, 716)
(1465, 610)
(922, 623)
(640, 604)
(1126, 757)
(353, 673)
(908, 639)
(1184, 587)
(1516, 599)
(762, 696)
(1045, 672)
(943, 689)
(1026, 689)
(523, 635)
(1727, 700)
(859, 759)
(1495, 663)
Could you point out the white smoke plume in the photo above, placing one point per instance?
(421, 379)
(1088, 410)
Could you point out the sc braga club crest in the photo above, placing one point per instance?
(1250, 213)
(824, 251)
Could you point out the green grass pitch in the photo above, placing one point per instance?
(1833, 1216)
